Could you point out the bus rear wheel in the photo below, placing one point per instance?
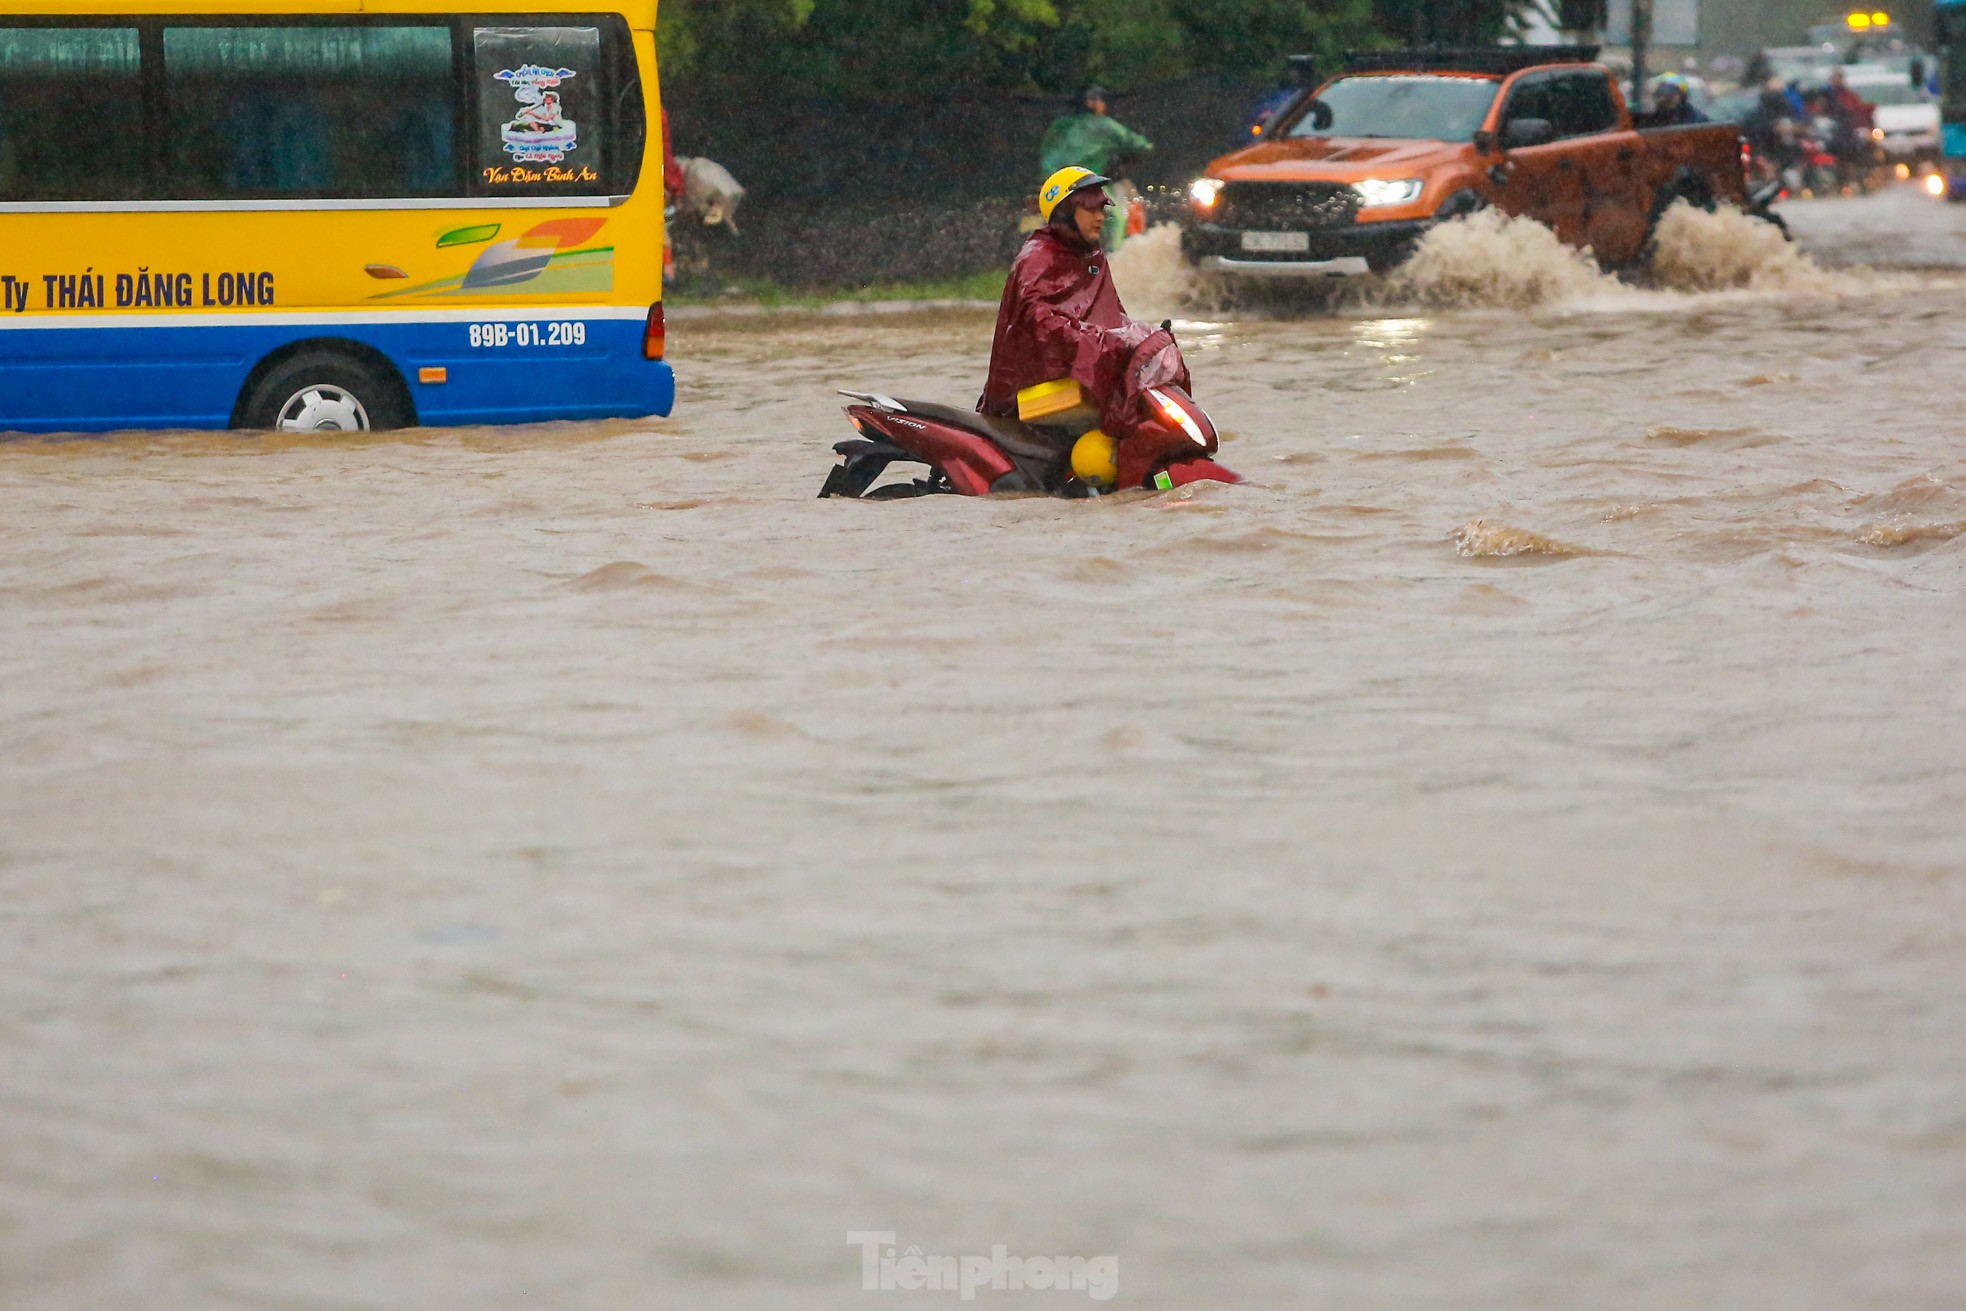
(323, 391)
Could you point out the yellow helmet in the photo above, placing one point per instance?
(1063, 185)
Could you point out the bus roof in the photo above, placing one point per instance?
(639, 13)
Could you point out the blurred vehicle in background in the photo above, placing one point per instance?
(1736, 107)
(1906, 117)
(1797, 66)
(1869, 37)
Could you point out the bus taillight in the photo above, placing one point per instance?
(655, 338)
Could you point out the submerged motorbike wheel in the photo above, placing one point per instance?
(933, 486)
(854, 478)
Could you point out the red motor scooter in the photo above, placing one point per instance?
(971, 454)
(1170, 439)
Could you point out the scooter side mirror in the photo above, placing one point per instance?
(1523, 132)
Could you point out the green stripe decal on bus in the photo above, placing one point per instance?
(468, 236)
(590, 270)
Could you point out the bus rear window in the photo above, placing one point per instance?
(309, 112)
(71, 114)
(542, 110)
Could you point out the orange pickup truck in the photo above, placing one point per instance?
(1349, 177)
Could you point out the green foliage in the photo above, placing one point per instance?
(1446, 22)
(852, 47)
(900, 48)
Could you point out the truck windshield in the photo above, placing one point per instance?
(1416, 106)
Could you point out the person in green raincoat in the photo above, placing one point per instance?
(1087, 138)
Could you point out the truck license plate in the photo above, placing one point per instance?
(1276, 242)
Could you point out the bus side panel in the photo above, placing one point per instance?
(583, 363)
(190, 303)
(158, 316)
(529, 369)
(101, 379)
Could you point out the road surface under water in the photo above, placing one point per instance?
(1509, 854)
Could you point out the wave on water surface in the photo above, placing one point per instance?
(1489, 260)
(1727, 250)
(1918, 510)
(1156, 281)
(1490, 539)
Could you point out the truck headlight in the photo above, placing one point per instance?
(1378, 191)
(1205, 192)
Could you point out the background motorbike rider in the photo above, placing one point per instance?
(1853, 118)
(1086, 138)
(1061, 317)
(1773, 133)
(1672, 103)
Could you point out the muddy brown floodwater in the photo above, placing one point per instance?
(1508, 855)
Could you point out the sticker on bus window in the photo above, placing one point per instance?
(540, 100)
(541, 133)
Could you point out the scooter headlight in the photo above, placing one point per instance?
(1379, 191)
(1935, 185)
(1178, 417)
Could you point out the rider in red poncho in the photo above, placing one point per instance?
(1061, 318)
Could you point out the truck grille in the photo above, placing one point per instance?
(1287, 206)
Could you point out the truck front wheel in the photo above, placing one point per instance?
(1460, 205)
(1385, 261)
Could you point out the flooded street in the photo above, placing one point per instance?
(1508, 855)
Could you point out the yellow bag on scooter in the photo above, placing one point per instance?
(1061, 403)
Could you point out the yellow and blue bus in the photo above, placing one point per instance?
(328, 214)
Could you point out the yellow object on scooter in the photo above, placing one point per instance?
(1048, 399)
(1095, 459)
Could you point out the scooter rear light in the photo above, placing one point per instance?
(655, 336)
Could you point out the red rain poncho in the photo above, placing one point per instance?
(1061, 318)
